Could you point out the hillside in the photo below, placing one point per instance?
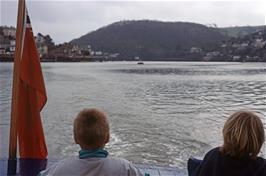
(152, 40)
(240, 31)
(249, 48)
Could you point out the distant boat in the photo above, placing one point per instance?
(139, 60)
(140, 63)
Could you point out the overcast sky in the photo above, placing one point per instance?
(66, 20)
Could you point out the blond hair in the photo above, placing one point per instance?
(91, 129)
(243, 135)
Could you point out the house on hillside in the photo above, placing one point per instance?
(259, 43)
(195, 50)
(43, 44)
(8, 31)
(86, 50)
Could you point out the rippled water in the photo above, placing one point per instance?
(160, 113)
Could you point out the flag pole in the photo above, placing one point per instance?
(12, 157)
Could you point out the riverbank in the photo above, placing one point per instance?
(100, 59)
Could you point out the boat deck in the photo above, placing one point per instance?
(150, 170)
(147, 170)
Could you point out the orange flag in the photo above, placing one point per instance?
(31, 97)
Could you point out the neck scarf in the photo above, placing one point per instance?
(100, 153)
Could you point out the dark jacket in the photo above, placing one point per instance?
(217, 164)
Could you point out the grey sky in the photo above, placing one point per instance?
(66, 20)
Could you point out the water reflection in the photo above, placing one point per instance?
(191, 72)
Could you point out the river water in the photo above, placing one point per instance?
(160, 113)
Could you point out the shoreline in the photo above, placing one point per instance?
(67, 60)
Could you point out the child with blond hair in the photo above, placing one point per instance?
(243, 135)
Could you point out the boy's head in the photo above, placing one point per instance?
(91, 129)
(243, 135)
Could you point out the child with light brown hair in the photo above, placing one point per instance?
(244, 136)
(91, 132)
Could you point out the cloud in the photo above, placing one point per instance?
(66, 20)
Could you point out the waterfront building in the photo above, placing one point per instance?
(65, 52)
(7, 40)
(44, 44)
(8, 31)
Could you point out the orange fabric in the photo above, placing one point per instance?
(32, 98)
